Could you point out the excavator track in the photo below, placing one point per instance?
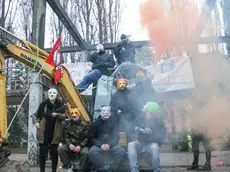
(15, 166)
(7, 165)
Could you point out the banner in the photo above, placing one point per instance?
(169, 75)
(172, 74)
(77, 72)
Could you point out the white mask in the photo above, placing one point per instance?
(99, 48)
(105, 112)
(52, 94)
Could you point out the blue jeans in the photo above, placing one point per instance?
(135, 149)
(93, 76)
(65, 122)
(126, 125)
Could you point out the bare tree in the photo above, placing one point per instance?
(8, 12)
(114, 16)
(108, 19)
(26, 20)
(96, 20)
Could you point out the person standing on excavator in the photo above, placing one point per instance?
(49, 117)
(102, 61)
(125, 51)
(122, 104)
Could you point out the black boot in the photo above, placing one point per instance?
(206, 167)
(193, 167)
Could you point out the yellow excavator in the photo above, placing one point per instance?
(35, 58)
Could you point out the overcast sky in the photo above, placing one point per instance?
(130, 23)
(130, 20)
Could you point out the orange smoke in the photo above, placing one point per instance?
(170, 25)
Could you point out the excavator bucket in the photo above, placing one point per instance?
(7, 165)
(15, 166)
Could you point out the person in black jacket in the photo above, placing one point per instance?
(102, 61)
(48, 121)
(106, 138)
(123, 103)
(151, 134)
(125, 51)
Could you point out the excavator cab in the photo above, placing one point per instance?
(138, 80)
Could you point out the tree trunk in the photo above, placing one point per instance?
(3, 14)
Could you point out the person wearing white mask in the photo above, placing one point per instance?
(105, 135)
(50, 114)
(102, 61)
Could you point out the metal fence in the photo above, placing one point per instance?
(14, 84)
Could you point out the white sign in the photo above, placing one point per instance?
(77, 72)
(172, 74)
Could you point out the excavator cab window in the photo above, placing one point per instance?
(102, 93)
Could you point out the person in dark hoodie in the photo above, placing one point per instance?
(49, 117)
(102, 61)
(106, 138)
(77, 143)
(125, 51)
(199, 135)
(151, 135)
(122, 104)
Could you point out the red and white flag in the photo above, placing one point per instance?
(58, 68)
(50, 58)
(55, 53)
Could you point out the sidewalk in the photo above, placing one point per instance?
(169, 159)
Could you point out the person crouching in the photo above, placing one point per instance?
(75, 149)
(105, 134)
(151, 135)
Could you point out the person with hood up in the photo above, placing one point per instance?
(106, 138)
(49, 117)
(125, 51)
(77, 142)
(150, 135)
(102, 61)
(122, 103)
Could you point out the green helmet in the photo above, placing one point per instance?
(152, 107)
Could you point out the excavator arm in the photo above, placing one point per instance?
(35, 58)
(38, 62)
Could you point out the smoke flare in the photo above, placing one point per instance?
(169, 27)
